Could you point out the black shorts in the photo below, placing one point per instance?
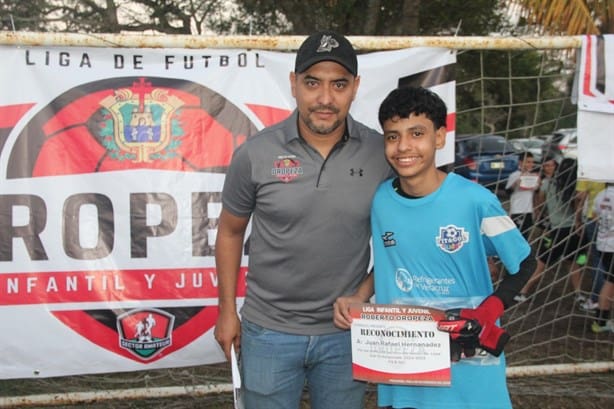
(607, 263)
(524, 222)
(558, 243)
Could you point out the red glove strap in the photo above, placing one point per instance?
(492, 338)
(487, 313)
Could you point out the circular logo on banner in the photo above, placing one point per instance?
(130, 123)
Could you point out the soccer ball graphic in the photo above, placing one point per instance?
(84, 130)
(452, 233)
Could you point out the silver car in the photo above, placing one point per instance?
(563, 143)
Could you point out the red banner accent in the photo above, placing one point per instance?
(111, 286)
(269, 115)
(11, 114)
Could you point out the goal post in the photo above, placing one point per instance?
(290, 42)
(551, 335)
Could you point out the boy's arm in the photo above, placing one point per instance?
(473, 327)
(510, 286)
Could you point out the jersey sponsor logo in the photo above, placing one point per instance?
(423, 284)
(451, 238)
(286, 169)
(389, 241)
(404, 280)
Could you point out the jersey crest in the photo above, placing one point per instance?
(451, 238)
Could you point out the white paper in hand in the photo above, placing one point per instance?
(236, 379)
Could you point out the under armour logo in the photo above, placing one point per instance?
(327, 43)
(358, 172)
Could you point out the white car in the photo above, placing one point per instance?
(563, 143)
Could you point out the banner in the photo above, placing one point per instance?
(112, 164)
(596, 109)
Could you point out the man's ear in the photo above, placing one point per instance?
(293, 83)
(356, 85)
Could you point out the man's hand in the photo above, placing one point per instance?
(464, 324)
(228, 331)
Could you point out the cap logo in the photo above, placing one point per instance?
(327, 43)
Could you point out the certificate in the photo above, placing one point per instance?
(529, 182)
(399, 344)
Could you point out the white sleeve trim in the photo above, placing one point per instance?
(493, 226)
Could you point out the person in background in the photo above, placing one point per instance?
(560, 241)
(522, 185)
(548, 168)
(441, 228)
(586, 225)
(307, 184)
(604, 210)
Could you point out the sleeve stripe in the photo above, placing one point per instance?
(493, 226)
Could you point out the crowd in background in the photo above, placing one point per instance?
(574, 217)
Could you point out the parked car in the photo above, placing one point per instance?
(533, 145)
(563, 143)
(485, 159)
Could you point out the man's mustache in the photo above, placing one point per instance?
(330, 108)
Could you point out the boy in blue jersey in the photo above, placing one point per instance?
(432, 235)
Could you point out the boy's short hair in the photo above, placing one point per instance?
(526, 154)
(404, 101)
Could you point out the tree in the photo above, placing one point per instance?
(380, 17)
(351, 17)
(20, 15)
(115, 16)
(567, 17)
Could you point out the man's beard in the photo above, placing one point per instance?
(322, 130)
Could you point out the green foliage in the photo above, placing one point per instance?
(23, 15)
(444, 17)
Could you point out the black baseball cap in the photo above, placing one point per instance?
(326, 46)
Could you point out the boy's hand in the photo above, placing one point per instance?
(464, 334)
(341, 311)
(467, 324)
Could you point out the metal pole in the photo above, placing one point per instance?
(364, 43)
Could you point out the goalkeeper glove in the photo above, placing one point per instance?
(464, 335)
(467, 324)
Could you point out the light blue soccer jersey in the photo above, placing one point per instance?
(432, 251)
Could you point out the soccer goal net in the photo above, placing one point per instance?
(520, 90)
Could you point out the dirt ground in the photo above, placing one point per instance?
(553, 392)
